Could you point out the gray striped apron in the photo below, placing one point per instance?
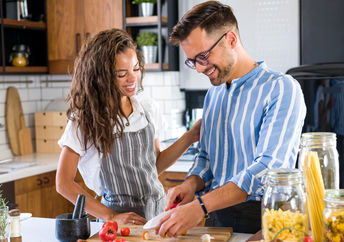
(130, 177)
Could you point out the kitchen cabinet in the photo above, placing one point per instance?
(29, 32)
(162, 24)
(37, 195)
(171, 179)
(71, 22)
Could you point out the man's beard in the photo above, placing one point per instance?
(223, 75)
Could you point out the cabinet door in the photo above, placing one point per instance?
(171, 179)
(100, 15)
(64, 34)
(37, 195)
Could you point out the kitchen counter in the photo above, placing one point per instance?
(43, 229)
(48, 162)
(43, 163)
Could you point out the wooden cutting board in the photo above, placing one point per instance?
(24, 135)
(193, 235)
(13, 112)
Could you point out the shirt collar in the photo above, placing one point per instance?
(261, 65)
(136, 105)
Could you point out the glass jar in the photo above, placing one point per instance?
(334, 215)
(324, 143)
(19, 55)
(284, 213)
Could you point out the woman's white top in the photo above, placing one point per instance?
(89, 160)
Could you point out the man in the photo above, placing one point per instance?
(252, 121)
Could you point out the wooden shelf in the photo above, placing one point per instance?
(26, 69)
(24, 24)
(156, 67)
(144, 20)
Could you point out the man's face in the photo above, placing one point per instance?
(220, 59)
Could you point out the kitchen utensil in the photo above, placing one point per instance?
(24, 135)
(13, 112)
(68, 229)
(79, 207)
(193, 235)
(153, 222)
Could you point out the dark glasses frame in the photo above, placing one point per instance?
(202, 58)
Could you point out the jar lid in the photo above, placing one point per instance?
(334, 196)
(318, 138)
(284, 176)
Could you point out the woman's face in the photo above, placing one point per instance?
(127, 72)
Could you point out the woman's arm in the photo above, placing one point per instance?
(169, 156)
(68, 188)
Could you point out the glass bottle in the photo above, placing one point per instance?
(15, 234)
(334, 215)
(284, 213)
(324, 143)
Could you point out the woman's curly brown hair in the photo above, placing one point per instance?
(94, 96)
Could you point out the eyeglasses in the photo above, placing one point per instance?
(201, 59)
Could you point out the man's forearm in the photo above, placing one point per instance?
(225, 196)
(195, 183)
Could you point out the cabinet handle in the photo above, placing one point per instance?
(174, 180)
(46, 180)
(77, 39)
(87, 35)
(39, 182)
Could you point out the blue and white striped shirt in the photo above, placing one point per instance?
(253, 126)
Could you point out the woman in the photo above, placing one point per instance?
(112, 137)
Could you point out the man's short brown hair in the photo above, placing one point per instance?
(210, 16)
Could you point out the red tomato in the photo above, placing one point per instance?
(107, 233)
(111, 223)
(307, 239)
(125, 231)
(120, 240)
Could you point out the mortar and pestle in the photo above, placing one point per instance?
(71, 227)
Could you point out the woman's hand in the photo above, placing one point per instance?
(129, 218)
(195, 131)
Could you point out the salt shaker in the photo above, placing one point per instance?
(15, 233)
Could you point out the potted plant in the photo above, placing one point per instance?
(146, 7)
(3, 219)
(148, 41)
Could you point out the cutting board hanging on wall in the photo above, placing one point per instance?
(24, 135)
(14, 119)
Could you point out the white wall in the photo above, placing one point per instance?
(35, 93)
(269, 30)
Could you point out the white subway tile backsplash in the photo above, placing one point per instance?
(153, 79)
(175, 105)
(29, 107)
(167, 93)
(2, 110)
(23, 94)
(51, 93)
(2, 96)
(34, 94)
(171, 78)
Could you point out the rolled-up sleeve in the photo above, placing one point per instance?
(279, 136)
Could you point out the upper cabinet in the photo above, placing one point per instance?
(23, 36)
(159, 20)
(71, 22)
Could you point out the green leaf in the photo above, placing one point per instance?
(147, 39)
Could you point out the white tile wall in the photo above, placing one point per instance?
(37, 91)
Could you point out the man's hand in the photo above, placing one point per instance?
(180, 219)
(181, 193)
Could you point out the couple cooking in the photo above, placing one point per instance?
(252, 121)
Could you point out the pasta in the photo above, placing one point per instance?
(315, 193)
(290, 226)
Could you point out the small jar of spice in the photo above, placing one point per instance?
(15, 229)
(334, 215)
